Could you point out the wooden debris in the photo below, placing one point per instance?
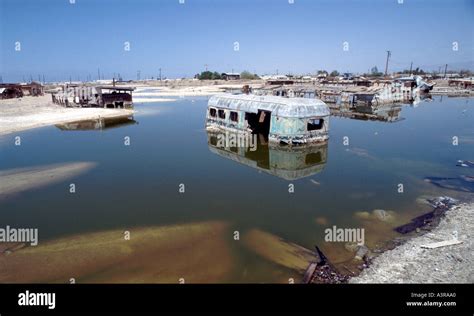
(442, 244)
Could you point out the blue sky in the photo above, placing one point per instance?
(60, 39)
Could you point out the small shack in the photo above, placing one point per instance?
(290, 121)
(94, 96)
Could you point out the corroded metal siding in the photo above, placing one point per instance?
(279, 106)
(288, 126)
(289, 117)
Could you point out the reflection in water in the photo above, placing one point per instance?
(97, 124)
(383, 113)
(286, 162)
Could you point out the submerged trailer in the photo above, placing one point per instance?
(289, 121)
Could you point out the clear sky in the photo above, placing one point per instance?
(60, 39)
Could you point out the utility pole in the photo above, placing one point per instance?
(445, 70)
(1, 79)
(389, 53)
(98, 72)
(138, 75)
(160, 74)
(411, 67)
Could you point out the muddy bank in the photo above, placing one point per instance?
(32, 112)
(412, 262)
(194, 252)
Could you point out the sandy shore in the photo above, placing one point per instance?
(411, 263)
(32, 112)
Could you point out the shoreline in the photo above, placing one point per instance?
(17, 115)
(412, 262)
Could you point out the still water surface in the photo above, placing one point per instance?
(131, 188)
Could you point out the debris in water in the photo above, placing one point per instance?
(323, 271)
(426, 221)
(465, 163)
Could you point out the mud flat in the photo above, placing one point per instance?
(191, 252)
(32, 112)
(15, 181)
(412, 262)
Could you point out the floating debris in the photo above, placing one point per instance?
(465, 163)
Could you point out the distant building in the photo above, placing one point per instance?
(230, 76)
(18, 90)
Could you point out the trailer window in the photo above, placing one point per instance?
(212, 112)
(315, 124)
(234, 116)
(221, 114)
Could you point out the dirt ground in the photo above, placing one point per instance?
(410, 263)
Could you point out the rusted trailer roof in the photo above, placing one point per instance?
(279, 106)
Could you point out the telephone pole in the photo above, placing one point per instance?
(160, 74)
(411, 67)
(98, 72)
(389, 53)
(445, 70)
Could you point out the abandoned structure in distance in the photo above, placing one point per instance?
(289, 121)
(79, 95)
(19, 90)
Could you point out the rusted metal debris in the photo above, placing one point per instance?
(323, 271)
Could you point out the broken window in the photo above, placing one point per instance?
(234, 117)
(315, 124)
(221, 114)
(212, 112)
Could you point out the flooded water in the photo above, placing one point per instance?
(228, 224)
